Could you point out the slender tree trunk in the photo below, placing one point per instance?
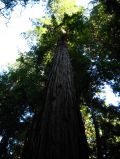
(98, 140)
(58, 133)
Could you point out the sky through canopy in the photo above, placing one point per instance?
(12, 43)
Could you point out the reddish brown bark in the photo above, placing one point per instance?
(59, 132)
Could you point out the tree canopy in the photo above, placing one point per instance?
(93, 45)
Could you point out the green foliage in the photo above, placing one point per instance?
(61, 7)
(20, 96)
(93, 44)
(105, 34)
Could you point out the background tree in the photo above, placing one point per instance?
(94, 62)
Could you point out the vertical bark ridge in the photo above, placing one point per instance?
(58, 133)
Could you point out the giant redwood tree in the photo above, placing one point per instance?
(57, 132)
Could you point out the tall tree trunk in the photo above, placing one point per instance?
(58, 133)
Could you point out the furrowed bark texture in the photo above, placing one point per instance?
(58, 133)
